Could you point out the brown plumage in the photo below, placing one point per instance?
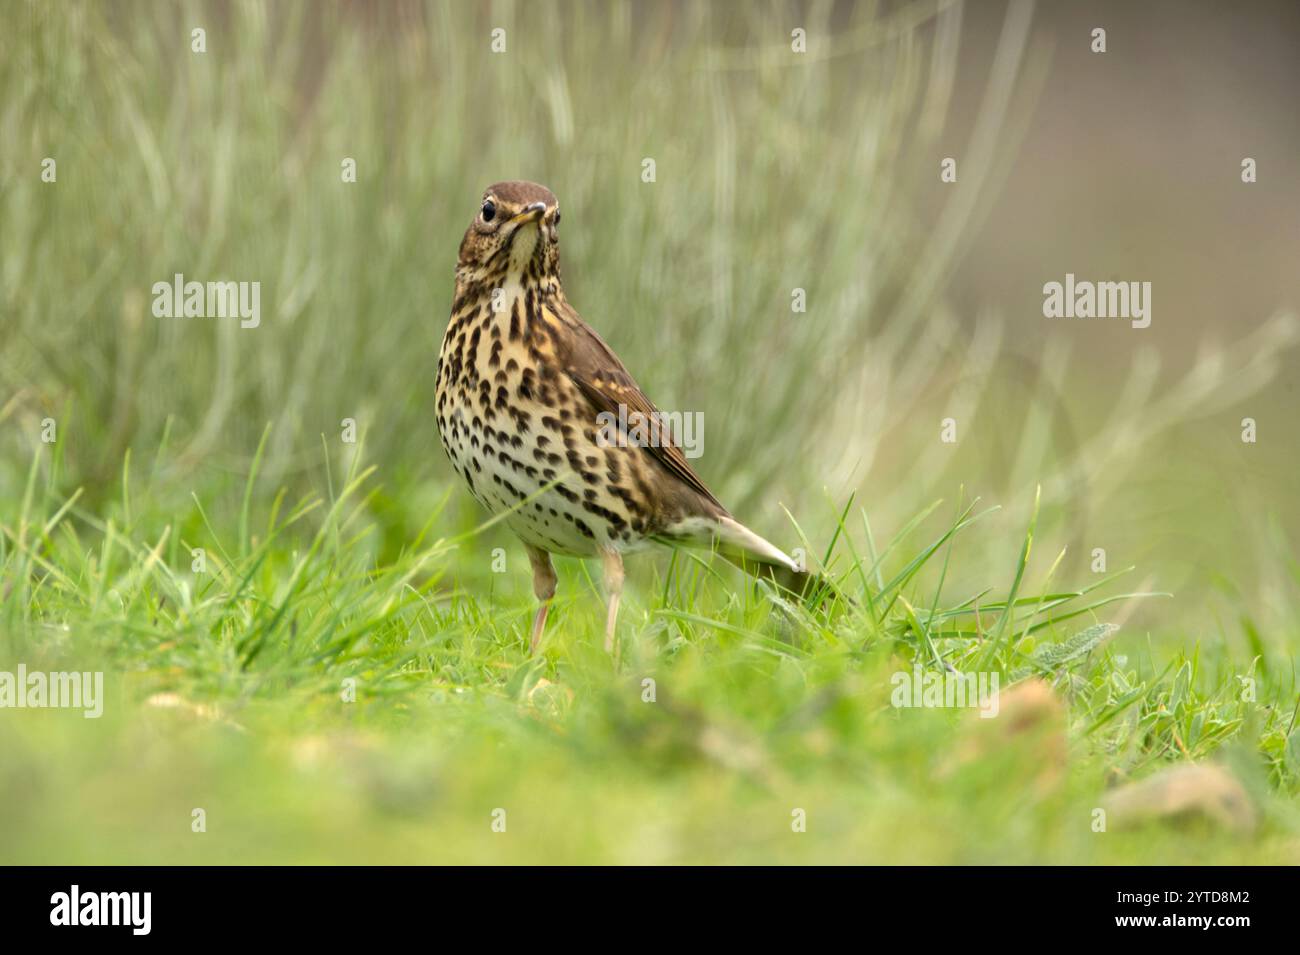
(522, 385)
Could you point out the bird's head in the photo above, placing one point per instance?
(514, 235)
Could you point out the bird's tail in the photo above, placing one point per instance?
(738, 544)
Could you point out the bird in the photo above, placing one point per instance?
(526, 392)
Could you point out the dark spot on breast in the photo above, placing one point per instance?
(612, 517)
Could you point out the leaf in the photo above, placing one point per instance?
(1182, 680)
(1052, 656)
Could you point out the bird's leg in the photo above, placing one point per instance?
(543, 587)
(613, 566)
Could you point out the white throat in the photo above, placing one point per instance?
(522, 248)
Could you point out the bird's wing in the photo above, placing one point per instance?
(606, 383)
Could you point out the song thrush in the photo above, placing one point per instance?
(521, 387)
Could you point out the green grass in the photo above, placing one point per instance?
(326, 562)
(760, 707)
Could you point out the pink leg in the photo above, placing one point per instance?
(613, 566)
(543, 588)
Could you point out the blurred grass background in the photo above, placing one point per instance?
(775, 171)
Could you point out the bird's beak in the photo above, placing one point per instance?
(533, 213)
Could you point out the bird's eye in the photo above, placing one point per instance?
(489, 210)
(557, 216)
